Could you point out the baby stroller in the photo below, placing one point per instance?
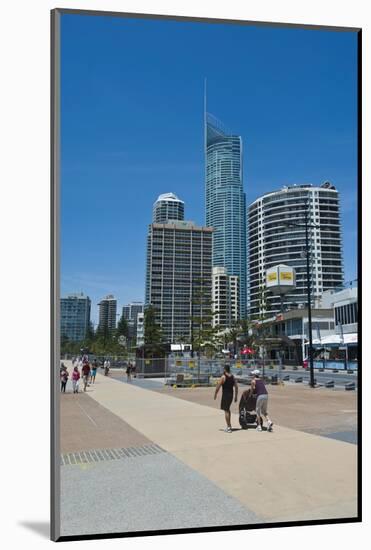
(246, 408)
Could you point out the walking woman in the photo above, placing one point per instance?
(227, 383)
(75, 379)
(64, 378)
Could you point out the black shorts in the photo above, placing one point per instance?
(226, 402)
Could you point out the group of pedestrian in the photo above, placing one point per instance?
(81, 371)
(229, 387)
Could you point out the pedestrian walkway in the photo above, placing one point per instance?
(287, 475)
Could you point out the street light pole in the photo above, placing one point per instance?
(310, 347)
(307, 225)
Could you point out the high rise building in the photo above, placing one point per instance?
(140, 329)
(273, 241)
(179, 277)
(130, 313)
(224, 298)
(226, 202)
(107, 314)
(75, 317)
(167, 207)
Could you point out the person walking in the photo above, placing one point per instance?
(85, 374)
(75, 379)
(64, 377)
(259, 389)
(128, 373)
(228, 384)
(93, 371)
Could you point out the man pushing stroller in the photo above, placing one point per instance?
(254, 404)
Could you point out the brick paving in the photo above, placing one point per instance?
(86, 425)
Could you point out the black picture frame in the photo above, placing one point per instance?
(55, 273)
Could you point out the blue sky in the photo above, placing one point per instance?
(132, 128)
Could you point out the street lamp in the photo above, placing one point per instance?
(307, 225)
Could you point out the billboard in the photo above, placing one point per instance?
(280, 279)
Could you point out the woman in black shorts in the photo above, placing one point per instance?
(227, 383)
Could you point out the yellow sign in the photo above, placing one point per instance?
(147, 362)
(239, 365)
(272, 277)
(178, 363)
(286, 275)
(191, 364)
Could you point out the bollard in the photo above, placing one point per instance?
(350, 386)
(330, 384)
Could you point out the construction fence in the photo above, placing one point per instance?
(187, 371)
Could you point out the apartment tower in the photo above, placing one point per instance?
(277, 236)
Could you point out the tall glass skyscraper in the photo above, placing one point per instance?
(226, 202)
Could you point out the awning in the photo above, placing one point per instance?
(336, 339)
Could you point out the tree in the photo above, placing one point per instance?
(122, 327)
(247, 335)
(233, 335)
(90, 335)
(203, 333)
(152, 331)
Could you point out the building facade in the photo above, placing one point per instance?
(344, 301)
(275, 239)
(130, 313)
(225, 202)
(140, 329)
(225, 298)
(107, 314)
(75, 317)
(179, 277)
(167, 207)
(288, 333)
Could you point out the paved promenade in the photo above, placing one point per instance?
(200, 476)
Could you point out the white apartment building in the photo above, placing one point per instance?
(276, 235)
(225, 292)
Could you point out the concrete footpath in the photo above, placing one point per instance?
(280, 476)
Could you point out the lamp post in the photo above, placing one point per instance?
(308, 225)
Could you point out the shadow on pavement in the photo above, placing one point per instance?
(42, 528)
